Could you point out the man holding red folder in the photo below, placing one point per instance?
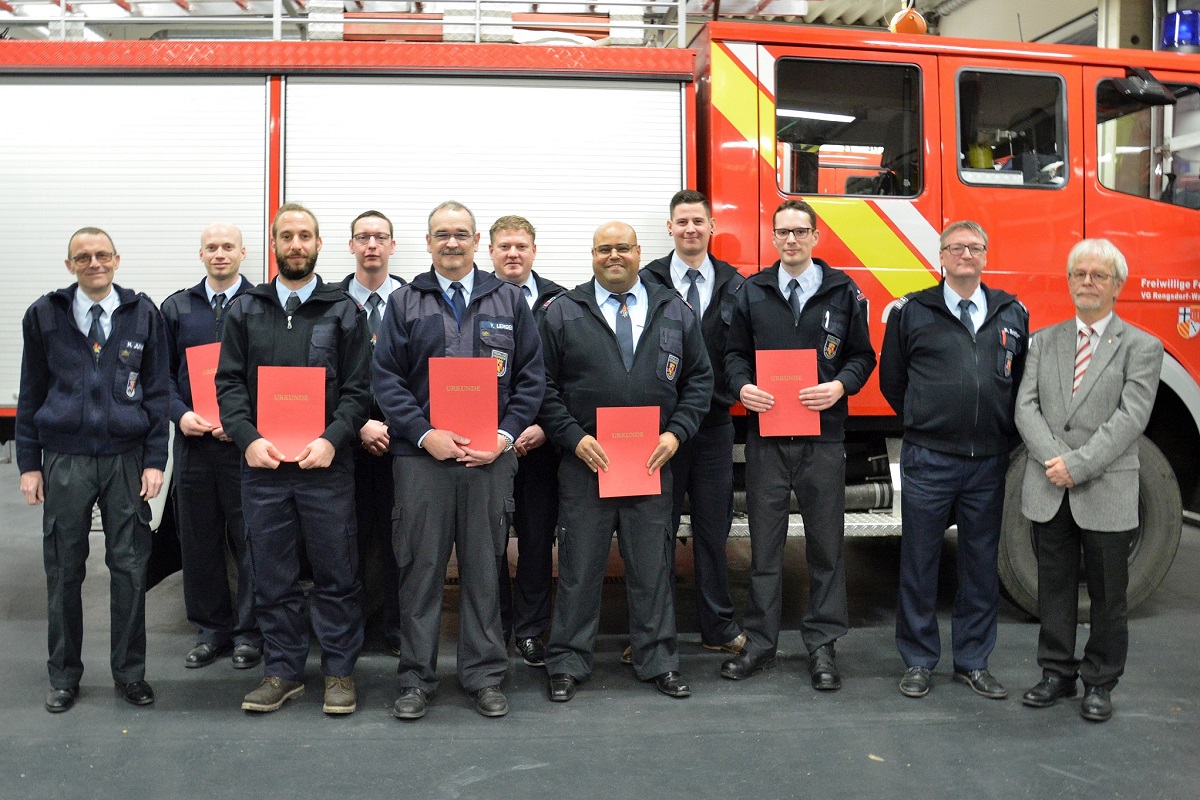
(799, 303)
(452, 491)
(297, 320)
(208, 471)
(616, 341)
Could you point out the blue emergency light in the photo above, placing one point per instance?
(1181, 32)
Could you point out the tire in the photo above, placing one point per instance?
(1160, 522)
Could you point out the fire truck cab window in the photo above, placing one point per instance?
(1150, 151)
(1011, 129)
(848, 128)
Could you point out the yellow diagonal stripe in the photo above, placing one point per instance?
(735, 95)
(874, 244)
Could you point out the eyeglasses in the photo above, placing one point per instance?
(959, 249)
(103, 257)
(445, 236)
(607, 249)
(365, 238)
(800, 233)
(1079, 276)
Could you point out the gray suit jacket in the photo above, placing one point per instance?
(1095, 431)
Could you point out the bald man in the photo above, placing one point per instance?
(616, 341)
(208, 498)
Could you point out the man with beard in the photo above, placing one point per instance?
(297, 320)
(452, 492)
(372, 244)
(208, 485)
(525, 600)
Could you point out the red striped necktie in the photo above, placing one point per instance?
(1083, 357)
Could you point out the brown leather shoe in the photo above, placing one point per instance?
(340, 695)
(271, 694)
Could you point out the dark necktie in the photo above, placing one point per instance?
(291, 306)
(373, 315)
(218, 304)
(693, 292)
(528, 295)
(459, 301)
(624, 329)
(794, 298)
(964, 313)
(96, 337)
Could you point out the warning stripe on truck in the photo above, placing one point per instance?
(889, 237)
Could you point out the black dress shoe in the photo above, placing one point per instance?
(562, 687)
(491, 702)
(823, 668)
(672, 684)
(138, 693)
(60, 700)
(203, 654)
(532, 652)
(411, 703)
(246, 656)
(982, 683)
(1096, 705)
(915, 682)
(743, 665)
(1048, 690)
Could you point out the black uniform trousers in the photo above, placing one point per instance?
(647, 547)
(1106, 569)
(72, 485)
(442, 505)
(374, 498)
(525, 599)
(703, 469)
(936, 487)
(776, 466)
(287, 508)
(208, 506)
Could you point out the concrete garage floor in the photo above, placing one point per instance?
(767, 737)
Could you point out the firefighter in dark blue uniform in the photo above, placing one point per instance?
(207, 479)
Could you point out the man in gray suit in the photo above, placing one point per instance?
(1085, 399)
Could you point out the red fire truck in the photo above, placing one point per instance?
(889, 137)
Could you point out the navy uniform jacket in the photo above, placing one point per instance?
(585, 371)
(420, 324)
(70, 404)
(954, 392)
(190, 321)
(833, 322)
(329, 330)
(714, 325)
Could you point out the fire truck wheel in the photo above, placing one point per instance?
(1160, 522)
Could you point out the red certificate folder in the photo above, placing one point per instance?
(202, 373)
(783, 373)
(463, 399)
(628, 437)
(291, 407)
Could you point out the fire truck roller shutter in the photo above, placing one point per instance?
(1160, 514)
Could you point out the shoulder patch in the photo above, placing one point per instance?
(901, 302)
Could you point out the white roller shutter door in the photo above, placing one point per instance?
(567, 154)
(152, 161)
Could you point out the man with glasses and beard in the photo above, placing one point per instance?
(298, 320)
